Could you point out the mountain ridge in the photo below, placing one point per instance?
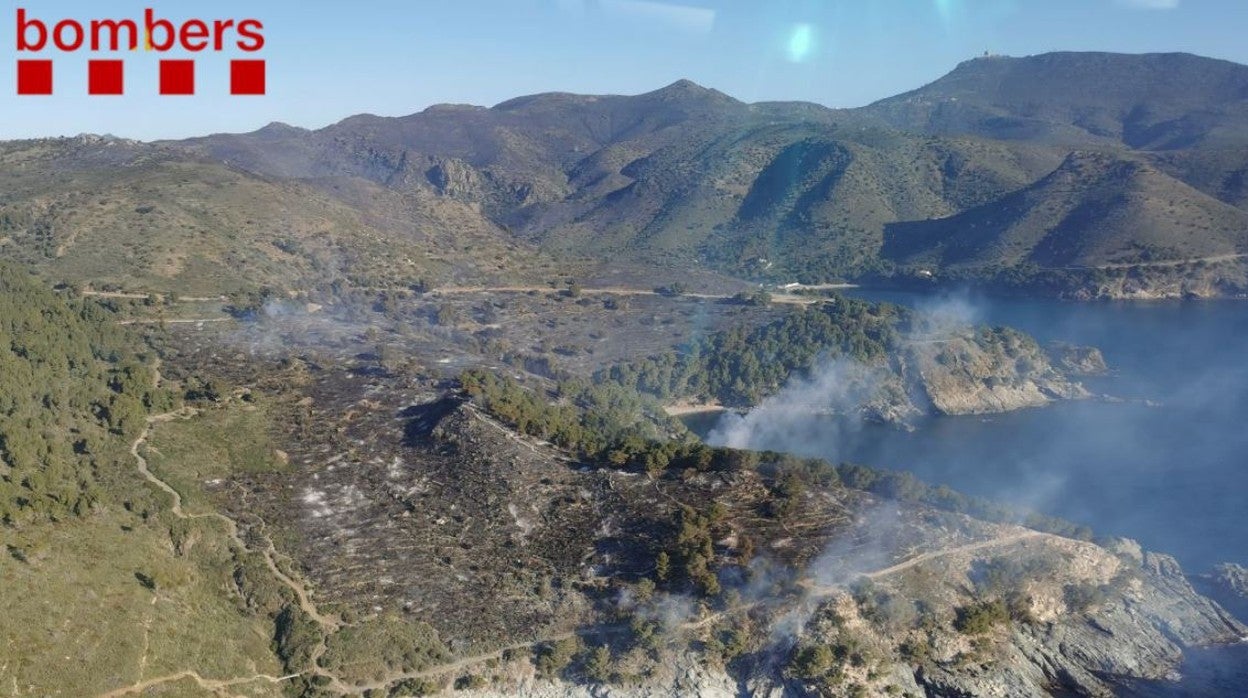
(686, 176)
(1146, 101)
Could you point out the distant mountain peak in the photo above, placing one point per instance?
(280, 128)
(452, 108)
(685, 89)
(685, 85)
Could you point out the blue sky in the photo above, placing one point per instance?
(328, 60)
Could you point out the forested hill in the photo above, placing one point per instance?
(72, 390)
(888, 363)
(741, 366)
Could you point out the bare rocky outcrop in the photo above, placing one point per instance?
(1232, 579)
(1219, 276)
(997, 370)
(1078, 360)
(1228, 585)
(454, 177)
(1144, 617)
(961, 371)
(1139, 632)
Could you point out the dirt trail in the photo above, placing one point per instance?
(455, 666)
(158, 296)
(779, 298)
(328, 625)
(300, 591)
(1212, 259)
(206, 684)
(175, 321)
(970, 548)
(816, 590)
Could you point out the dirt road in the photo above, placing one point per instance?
(778, 298)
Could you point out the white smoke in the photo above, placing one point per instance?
(837, 387)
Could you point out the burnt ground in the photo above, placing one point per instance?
(399, 496)
(544, 331)
(579, 335)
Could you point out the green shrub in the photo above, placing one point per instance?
(598, 665)
(470, 682)
(813, 662)
(553, 658)
(1085, 596)
(979, 618)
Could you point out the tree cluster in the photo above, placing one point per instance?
(740, 367)
(72, 390)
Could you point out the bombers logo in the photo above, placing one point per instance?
(107, 76)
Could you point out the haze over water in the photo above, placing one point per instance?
(1168, 467)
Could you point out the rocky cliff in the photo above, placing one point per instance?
(1078, 619)
(992, 370)
(968, 371)
(1228, 584)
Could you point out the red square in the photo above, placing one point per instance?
(246, 77)
(177, 77)
(105, 77)
(34, 77)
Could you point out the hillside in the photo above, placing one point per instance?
(1094, 210)
(345, 523)
(681, 178)
(399, 493)
(1146, 102)
(107, 213)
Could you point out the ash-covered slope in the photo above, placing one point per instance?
(529, 571)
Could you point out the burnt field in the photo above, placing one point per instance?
(400, 499)
(550, 332)
(417, 519)
(395, 495)
(392, 493)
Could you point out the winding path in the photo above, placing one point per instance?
(174, 321)
(1213, 259)
(328, 625)
(816, 590)
(1161, 263)
(159, 296)
(455, 666)
(206, 684)
(969, 548)
(777, 298)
